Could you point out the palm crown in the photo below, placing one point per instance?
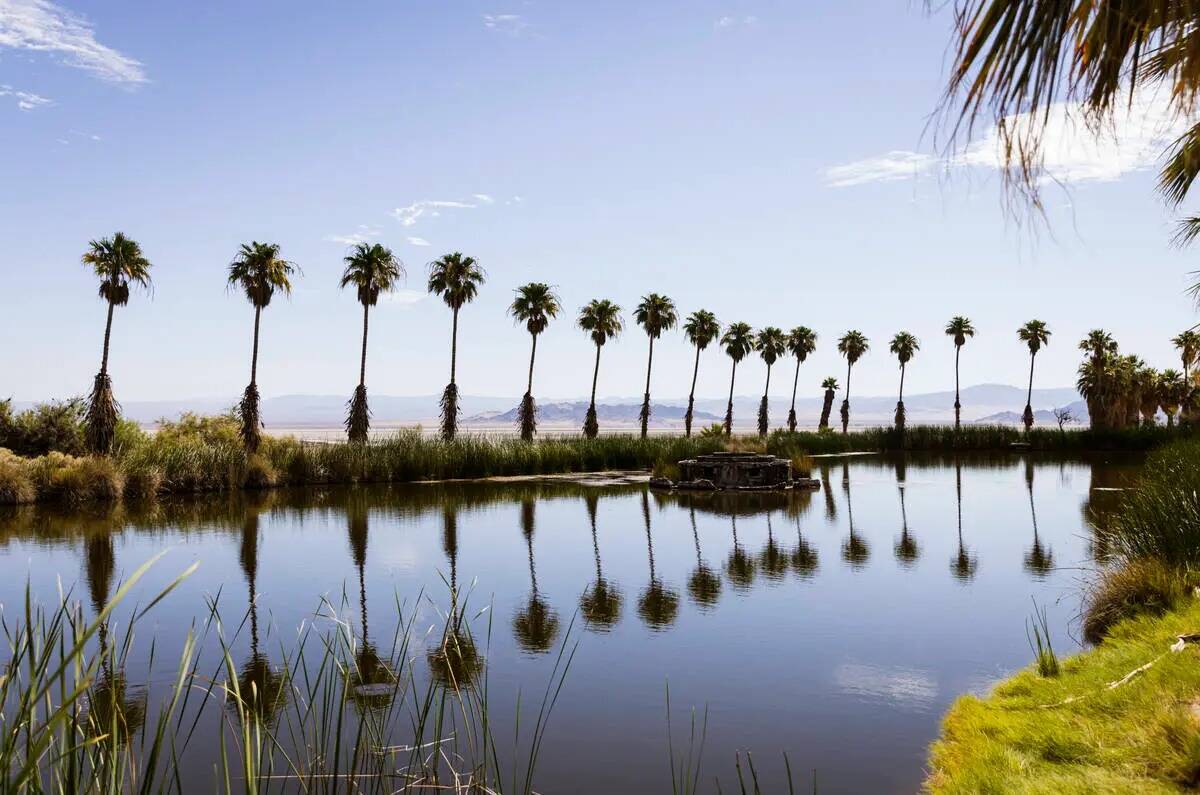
(738, 340)
(1098, 343)
(1035, 334)
(1170, 386)
(853, 345)
(456, 279)
(601, 319)
(801, 341)
(259, 271)
(904, 346)
(118, 262)
(771, 344)
(830, 383)
(536, 305)
(960, 328)
(1188, 344)
(655, 313)
(701, 328)
(371, 269)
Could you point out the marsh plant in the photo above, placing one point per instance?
(457, 279)
(259, 272)
(1037, 632)
(118, 263)
(371, 270)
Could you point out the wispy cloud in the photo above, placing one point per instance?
(416, 241)
(1073, 150)
(362, 234)
(733, 22)
(483, 198)
(404, 297)
(42, 26)
(87, 135)
(408, 216)
(25, 100)
(512, 24)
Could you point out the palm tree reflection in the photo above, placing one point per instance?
(114, 714)
(658, 605)
(456, 661)
(600, 604)
(805, 560)
(907, 549)
(740, 568)
(830, 505)
(1039, 560)
(536, 626)
(704, 586)
(261, 685)
(372, 682)
(964, 564)
(773, 560)
(855, 549)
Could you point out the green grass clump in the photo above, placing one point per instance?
(16, 486)
(1140, 736)
(1146, 586)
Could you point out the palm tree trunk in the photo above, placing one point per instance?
(729, 409)
(902, 384)
(1029, 392)
(687, 418)
(792, 410)
(453, 346)
(107, 336)
(254, 355)
(846, 400)
(646, 398)
(957, 402)
(532, 354)
(591, 426)
(362, 368)
(595, 376)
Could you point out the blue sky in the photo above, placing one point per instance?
(769, 161)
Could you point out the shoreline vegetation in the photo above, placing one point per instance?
(198, 454)
(1125, 715)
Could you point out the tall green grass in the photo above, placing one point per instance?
(336, 714)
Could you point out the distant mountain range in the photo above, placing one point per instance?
(1078, 409)
(981, 403)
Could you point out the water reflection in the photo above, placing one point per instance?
(372, 682)
(659, 604)
(600, 604)
(535, 625)
(455, 661)
(855, 549)
(907, 550)
(740, 568)
(704, 585)
(1039, 560)
(964, 565)
(261, 685)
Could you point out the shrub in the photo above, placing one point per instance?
(1138, 587)
(16, 487)
(86, 480)
(259, 473)
(142, 482)
(45, 428)
(216, 429)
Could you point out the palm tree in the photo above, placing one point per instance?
(771, 344)
(535, 305)
(456, 279)
(959, 328)
(801, 341)
(601, 319)
(659, 604)
(1188, 344)
(372, 270)
(852, 345)
(1148, 392)
(905, 346)
(655, 313)
(830, 385)
(1096, 375)
(601, 603)
(700, 328)
(259, 271)
(1034, 334)
(1018, 60)
(738, 341)
(1170, 393)
(118, 262)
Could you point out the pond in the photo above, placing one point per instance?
(835, 626)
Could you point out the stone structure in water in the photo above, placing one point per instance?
(735, 472)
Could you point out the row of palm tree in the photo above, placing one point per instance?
(1117, 388)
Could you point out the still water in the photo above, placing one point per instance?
(836, 625)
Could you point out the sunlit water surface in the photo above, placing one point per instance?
(836, 626)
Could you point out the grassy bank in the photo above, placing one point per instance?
(204, 454)
(1075, 732)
